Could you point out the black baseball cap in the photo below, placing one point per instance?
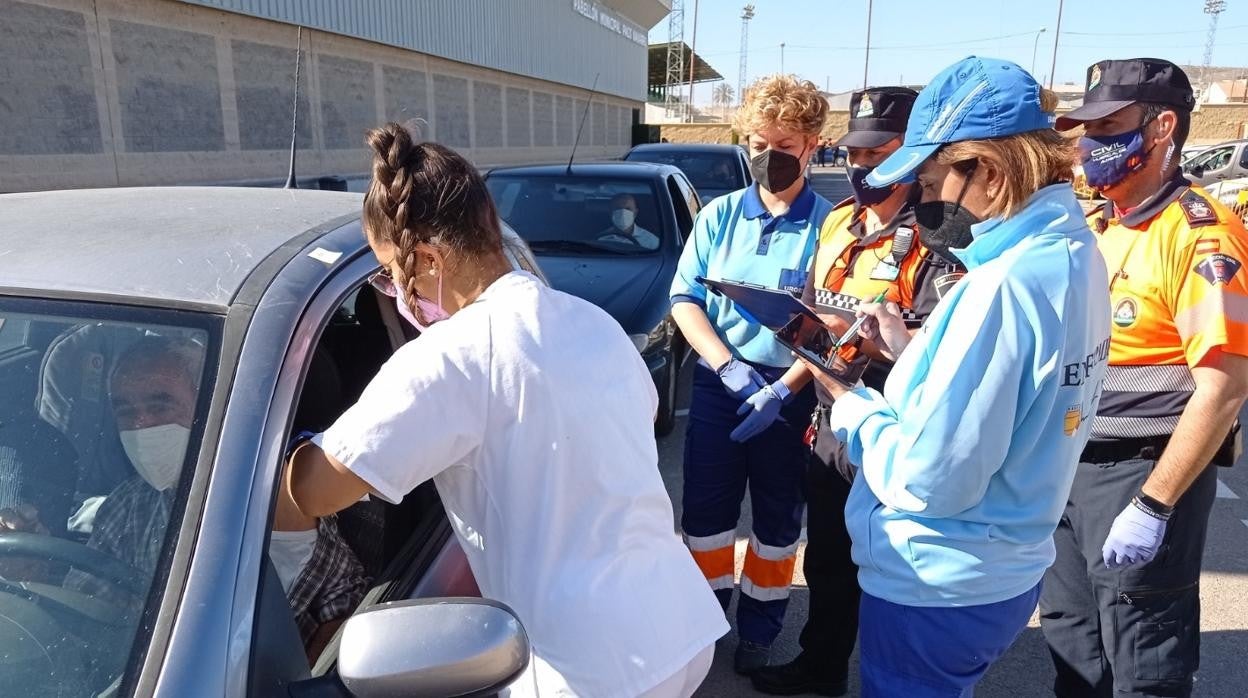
(1113, 85)
(877, 116)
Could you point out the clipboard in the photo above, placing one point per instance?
(769, 307)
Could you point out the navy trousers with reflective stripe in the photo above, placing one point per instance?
(717, 472)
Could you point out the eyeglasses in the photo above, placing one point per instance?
(384, 283)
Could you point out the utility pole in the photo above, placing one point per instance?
(1214, 9)
(782, 57)
(693, 57)
(747, 13)
(1057, 35)
(866, 62)
(675, 76)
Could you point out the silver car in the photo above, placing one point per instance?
(272, 285)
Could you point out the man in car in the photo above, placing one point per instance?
(624, 228)
(153, 390)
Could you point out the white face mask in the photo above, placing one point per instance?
(157, 453)
(623, 218)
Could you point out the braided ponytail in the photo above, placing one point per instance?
(426, 192)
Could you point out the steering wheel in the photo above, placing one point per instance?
(102, 565)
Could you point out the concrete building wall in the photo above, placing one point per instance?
(529, 37)
(140, 92)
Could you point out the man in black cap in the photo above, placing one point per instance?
(1120, 606)
(868, 245)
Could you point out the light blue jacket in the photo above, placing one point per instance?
(968, 456)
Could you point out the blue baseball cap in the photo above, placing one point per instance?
(972, 99)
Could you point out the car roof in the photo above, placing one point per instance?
(685, 148)
(175, 246)
(617, 169)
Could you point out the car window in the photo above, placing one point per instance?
(1243, 157)
(100, 419)
(1212, 160)
(12, 334)
(579, 214)
(714, 171)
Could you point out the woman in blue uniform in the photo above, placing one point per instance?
(750, 404)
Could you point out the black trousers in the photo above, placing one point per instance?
(1133, 632)
(832, 623)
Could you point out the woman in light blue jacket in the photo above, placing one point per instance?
(967, 457)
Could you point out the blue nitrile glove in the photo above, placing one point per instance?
(740, 379)
(763, 408)
(1134, 538)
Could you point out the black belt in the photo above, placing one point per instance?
(1151, 448)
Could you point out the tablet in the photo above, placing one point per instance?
(769, 307)
(815, 342)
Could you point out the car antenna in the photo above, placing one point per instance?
(294, 113)
(592, 91)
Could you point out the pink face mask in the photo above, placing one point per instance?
(431, 311)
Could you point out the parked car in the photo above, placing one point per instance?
(271, 284)
(1218, 163)
(714, 170)
(571, 215)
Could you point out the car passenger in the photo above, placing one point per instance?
(624, 228)
(153, 391)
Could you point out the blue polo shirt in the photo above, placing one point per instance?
(735, 238)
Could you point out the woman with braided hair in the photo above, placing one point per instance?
(533, 414)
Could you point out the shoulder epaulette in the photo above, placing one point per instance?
(1197, 210)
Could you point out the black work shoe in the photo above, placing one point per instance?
(750, 657)
(796, 678)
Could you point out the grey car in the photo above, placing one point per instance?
(272, 284)
(1218, 163)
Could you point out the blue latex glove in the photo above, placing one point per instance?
(761, 409)
(740, 379)
(1133, 539)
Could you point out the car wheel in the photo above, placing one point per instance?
(665, 422)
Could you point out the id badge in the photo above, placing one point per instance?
(793, 281)
(884, 271)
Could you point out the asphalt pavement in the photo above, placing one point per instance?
(1026, 670)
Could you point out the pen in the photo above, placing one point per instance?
(853, 329)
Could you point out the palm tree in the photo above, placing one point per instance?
(722, 96)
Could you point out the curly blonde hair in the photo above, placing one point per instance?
(783, 101)
(1032, 160)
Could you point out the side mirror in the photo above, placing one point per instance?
(432, 647)
(1198, 172)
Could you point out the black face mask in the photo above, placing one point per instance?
(775, 170)
(944, 225)
(867, 195)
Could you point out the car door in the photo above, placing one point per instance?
(686, 203)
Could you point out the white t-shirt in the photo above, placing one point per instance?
(533, 413)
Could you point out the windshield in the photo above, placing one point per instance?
(580, 215)
(101, 409)
(718, 171)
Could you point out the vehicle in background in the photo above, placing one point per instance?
(1218, 163)
(610, 233)
(714, 170)
(271, 285)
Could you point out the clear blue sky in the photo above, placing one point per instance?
(912, 40)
